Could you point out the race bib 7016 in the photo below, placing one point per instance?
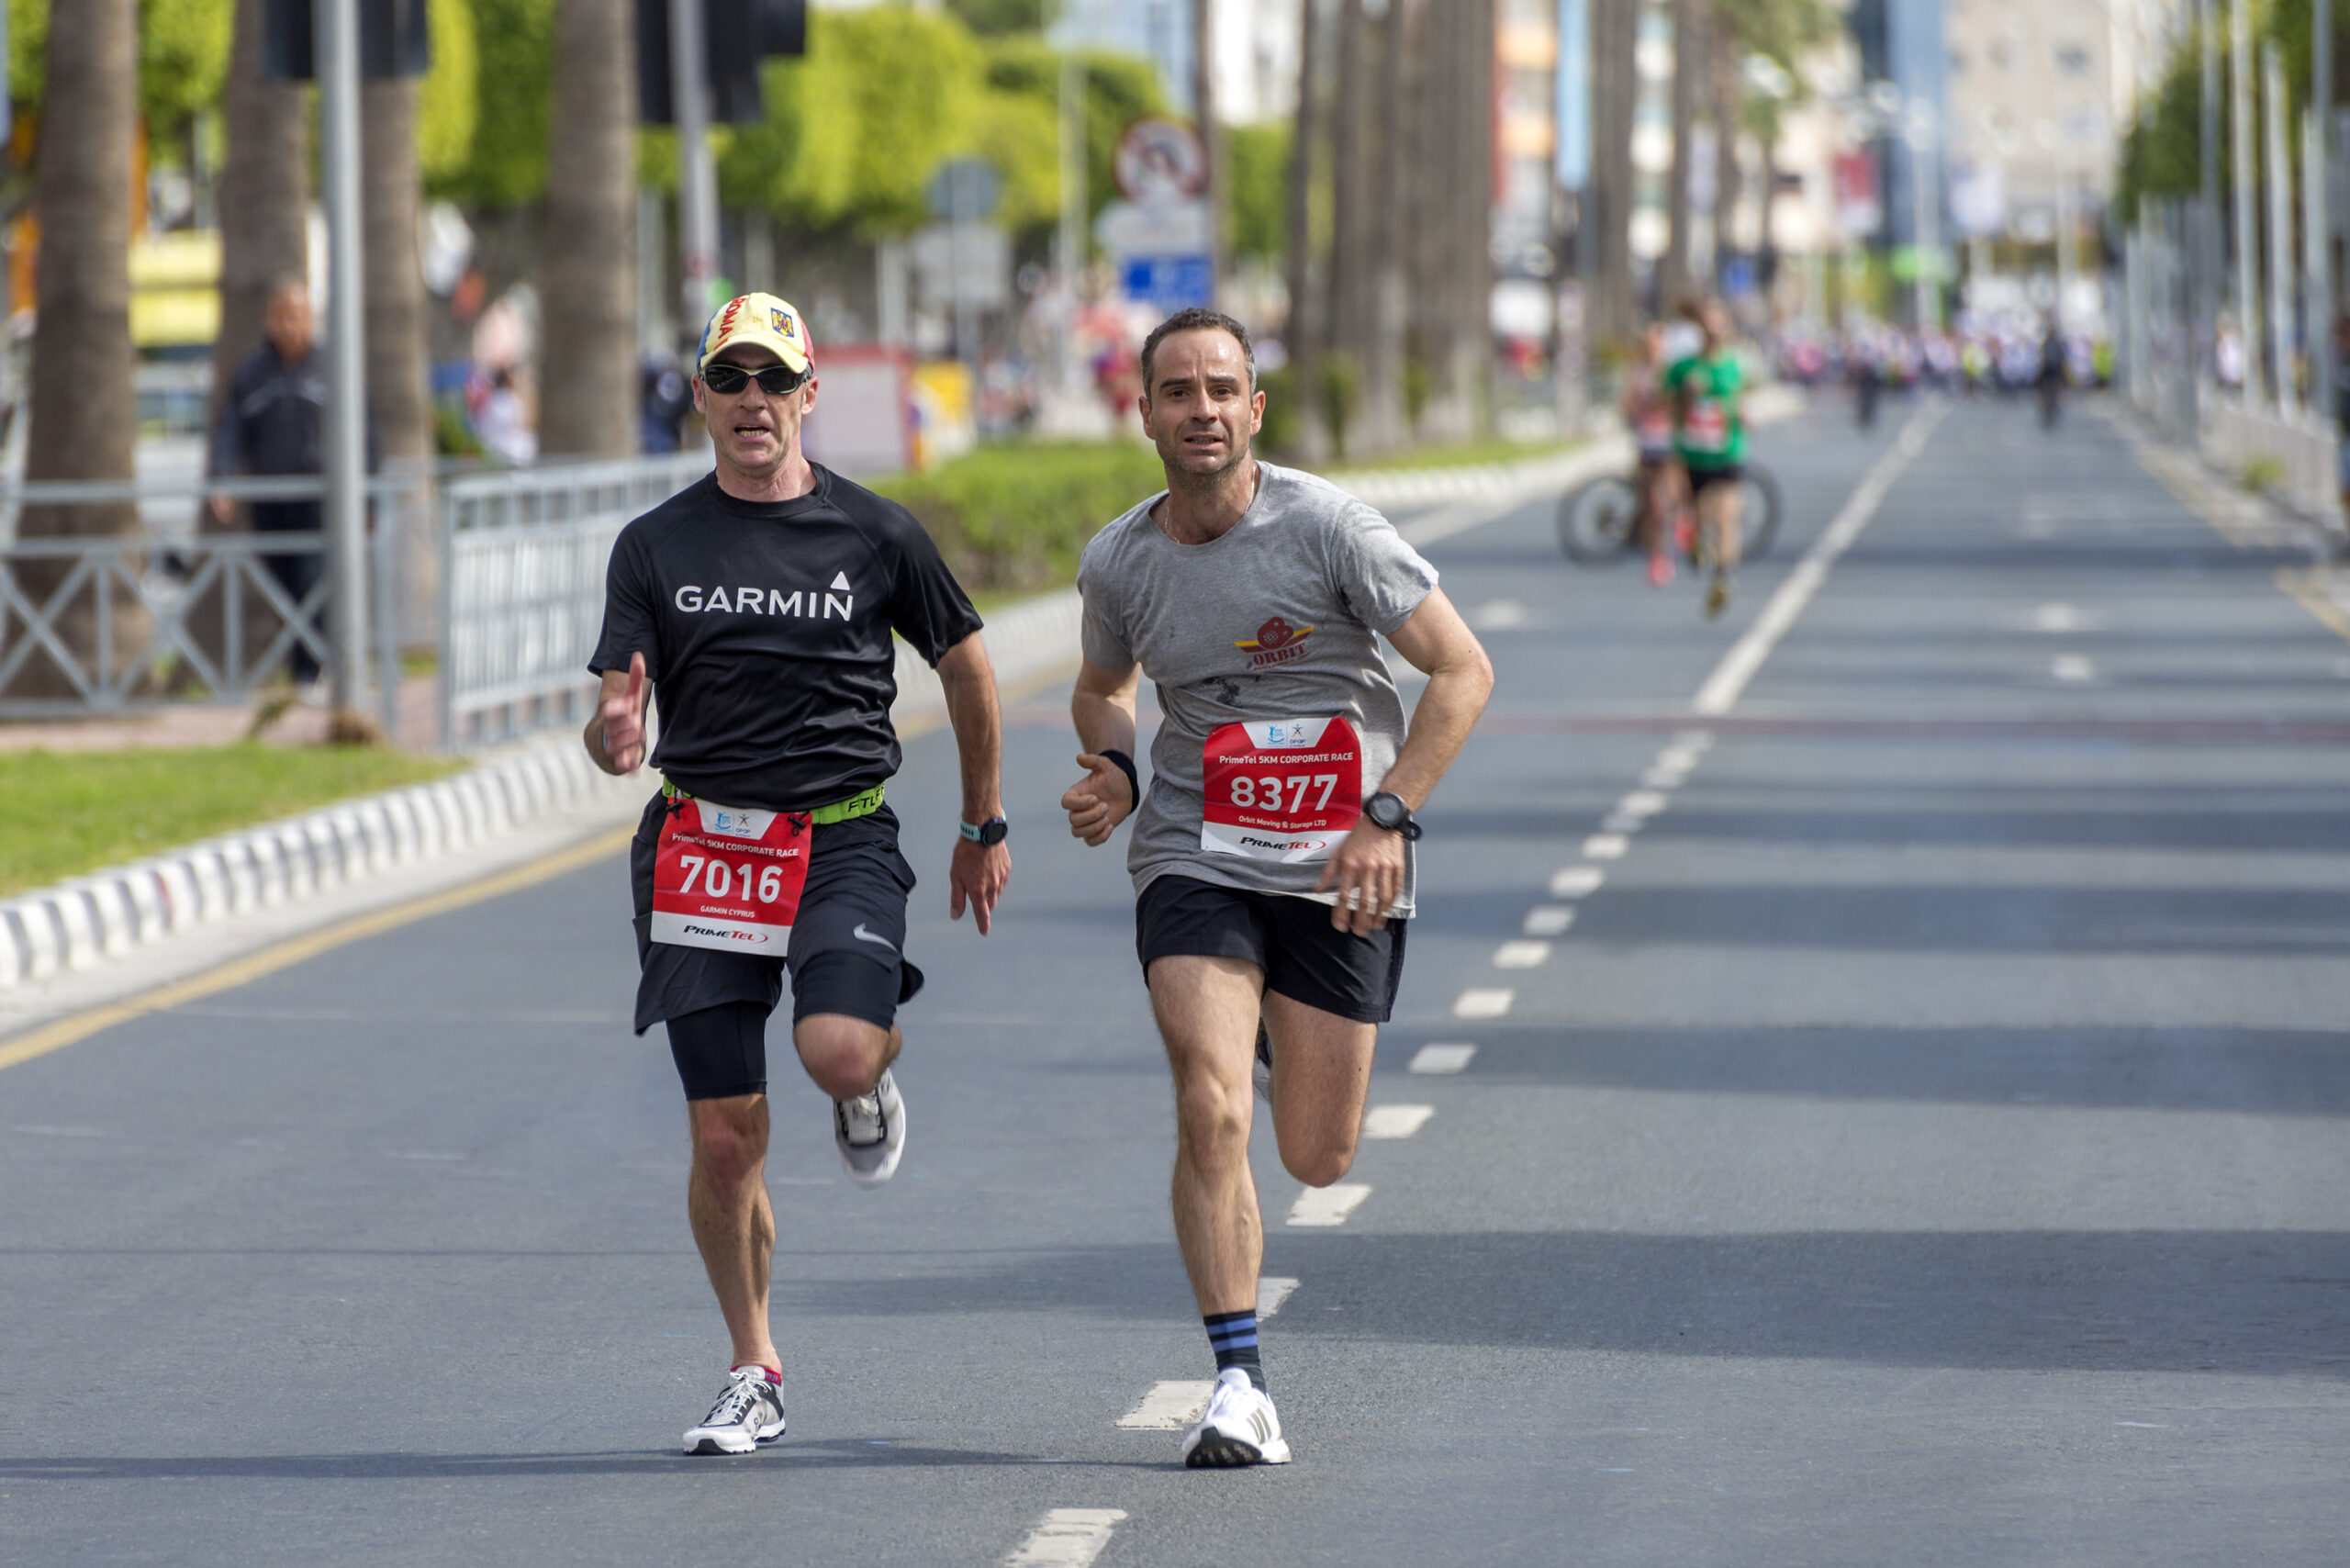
(1284, 789)
(728, 877)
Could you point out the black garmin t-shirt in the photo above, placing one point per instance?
(765, 627)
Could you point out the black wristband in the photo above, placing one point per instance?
(1133, 782)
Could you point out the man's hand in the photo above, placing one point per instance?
(1367, 872)
(1098, 802)
(623, 715)
(976, 874)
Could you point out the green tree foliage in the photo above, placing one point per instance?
(504, 162)
(1119, 90)
(991, 17)
(183, 58)
(1257, 169)
(447, 99)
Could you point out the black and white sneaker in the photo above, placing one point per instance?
(1238, 1429)
(749, 1413)
(870, 1133)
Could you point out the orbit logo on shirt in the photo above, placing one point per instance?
(808, 604)
(1276, 641)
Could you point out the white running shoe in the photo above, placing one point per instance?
(749, 1413)
(1239, 1428)
(870, 1133)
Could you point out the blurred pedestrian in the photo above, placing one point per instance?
(270, 424)
(1709, 432)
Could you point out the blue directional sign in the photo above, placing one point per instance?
(1170, 283)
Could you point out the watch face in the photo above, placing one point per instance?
(993, 830)
(1387, 810)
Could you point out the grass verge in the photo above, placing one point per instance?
(80, 810)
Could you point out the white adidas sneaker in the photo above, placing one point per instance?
(1239, 1427)
(748, 1414)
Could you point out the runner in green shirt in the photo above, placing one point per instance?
(1709, 432)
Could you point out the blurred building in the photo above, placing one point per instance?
(2034, 91)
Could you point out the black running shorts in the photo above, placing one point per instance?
(846, 940)
(1728, 474)
(1291, 938)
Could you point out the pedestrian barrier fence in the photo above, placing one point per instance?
(2301, 446)
(523, 557)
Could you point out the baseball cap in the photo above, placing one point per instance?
(760, 318)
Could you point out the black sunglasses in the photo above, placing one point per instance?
(776, 380)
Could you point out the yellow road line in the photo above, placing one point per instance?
(2303, 587)
(64, 1032)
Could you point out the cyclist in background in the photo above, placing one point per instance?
(1648, 412)
(1709, 433)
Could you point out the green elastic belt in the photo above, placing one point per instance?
(855, 806)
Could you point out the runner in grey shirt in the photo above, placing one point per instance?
(1273, 860)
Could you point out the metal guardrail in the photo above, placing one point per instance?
(522, 567)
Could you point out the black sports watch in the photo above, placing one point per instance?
(1387, 810)
(990, 832)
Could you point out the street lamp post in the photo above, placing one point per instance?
(345, 431)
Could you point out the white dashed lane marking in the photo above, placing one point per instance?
(1484, 1002)
(2073, 667)
(1391, 1121)
(1548, 920)
(1521, 954)
(2057, 618)
(1068, 1538)
(1271, 1290)
(1605, 846)
(1663, 778)
(1577, 882)
(1320, 1207)
(1168, 1408)
(1435, 1060)
(1641, 803)
(1622, 823)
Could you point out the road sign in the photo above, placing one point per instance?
(1159, 161)
(1163, 228)
(1168, 284)
(964, 190)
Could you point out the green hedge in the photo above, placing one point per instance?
(1013, 519)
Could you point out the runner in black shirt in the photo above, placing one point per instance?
(759, 604)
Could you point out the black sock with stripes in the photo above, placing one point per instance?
(1233, 1337)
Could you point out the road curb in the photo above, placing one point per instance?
(111, 913)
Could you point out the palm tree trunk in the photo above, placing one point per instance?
(1384, 424)
(1607, 210)
(1689, 66)
(1350, 189)
(1469, 282)
(264, 189)
(1434, 128)
(1728, 177)
(83, 412)
(390, 195)
(588, 403)
(1302, 334)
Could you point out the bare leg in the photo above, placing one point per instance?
(1207, 1015)
(844, 1056)
(1322, 1063)
(1718, 514)
(726, 1197)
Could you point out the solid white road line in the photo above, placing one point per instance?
(1391, 1121)
(1577, 881)
(1663, 778)
(1328, 1206)
(1521, 954)
(1271, 1290)
(1484, 1002)
(1433, 1060)
(1168, 1408)
(1605, 846)
(1723, 688)
(1068, 1538)
(2072, 668)
(1548, 920)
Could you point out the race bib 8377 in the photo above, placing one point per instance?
(1284, 789)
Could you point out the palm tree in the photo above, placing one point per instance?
(589, 404)
(265, 191)
(83, 411)
(1301, 332)
(1604, 244)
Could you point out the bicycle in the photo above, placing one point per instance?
(1599, 520)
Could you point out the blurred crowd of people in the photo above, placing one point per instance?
(1984, 353)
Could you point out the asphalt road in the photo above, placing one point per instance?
(1925, 1145)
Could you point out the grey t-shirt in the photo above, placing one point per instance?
(1274, 620)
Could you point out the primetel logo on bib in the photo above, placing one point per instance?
(811, 604)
